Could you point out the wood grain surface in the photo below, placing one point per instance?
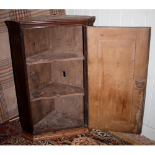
(117, 72)
(55, 134)
(54, 89)
(48, 60)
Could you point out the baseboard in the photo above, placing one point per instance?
(148, 132)
(56, 134)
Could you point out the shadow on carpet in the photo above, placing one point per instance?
(10, 134)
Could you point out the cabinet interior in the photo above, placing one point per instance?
(54, 61)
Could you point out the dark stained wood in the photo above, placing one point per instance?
(41, 108)
(35, 41)
(48, 64)
(68, 72)
(52, 20)
(117, 68)
(52, 56)
(38, 75)
(71, 106)
(66, 39)
(55, 89)
(85, 75)
(56, 121)
(55, 134)
(20, 75)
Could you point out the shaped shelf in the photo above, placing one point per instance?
(50, 56)
(54, 89)
(57, 121)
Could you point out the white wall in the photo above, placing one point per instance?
(106, 17)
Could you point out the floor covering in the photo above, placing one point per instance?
(10, 134)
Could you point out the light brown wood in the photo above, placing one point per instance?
(56, 134)
(117, 72)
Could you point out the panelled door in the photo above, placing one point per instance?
(117, 74)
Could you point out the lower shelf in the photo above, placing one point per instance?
(56, 134)
(54, 89)
(57, 121)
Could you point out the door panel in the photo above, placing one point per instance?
(117, 72)
(116, 59)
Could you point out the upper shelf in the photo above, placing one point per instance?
(50, 56)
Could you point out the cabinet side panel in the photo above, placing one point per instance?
(20, 76)
(38, 75)
(85, 75)
(41, 108)
(66, 39)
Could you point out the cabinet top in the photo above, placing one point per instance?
(49, 20)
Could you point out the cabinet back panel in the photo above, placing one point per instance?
(66, 38)
(61, 38)
(68, 72)
(68, 113)
(72, 106)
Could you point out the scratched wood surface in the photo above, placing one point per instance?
(52, 56)
(54, 89)
(117, 72)
(66, 39)
(56, 121)
(71, 106)
(41, 108)
(38, 75)
(68, 72)
(35, 41)
(38, 43)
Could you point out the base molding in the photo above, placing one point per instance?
(56, 134)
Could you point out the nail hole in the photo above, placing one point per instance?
(34, 44)
(64, 74)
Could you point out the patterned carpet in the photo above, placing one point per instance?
(10, 134)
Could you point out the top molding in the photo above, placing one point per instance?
(51, 20)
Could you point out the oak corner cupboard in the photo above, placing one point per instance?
(71, 76)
